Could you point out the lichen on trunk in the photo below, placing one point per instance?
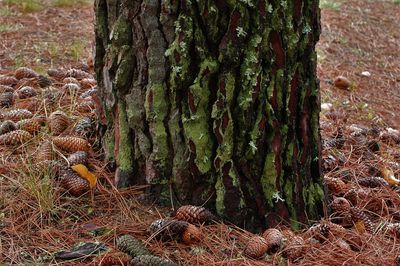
(214, 102)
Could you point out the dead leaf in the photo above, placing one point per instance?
(86, 174)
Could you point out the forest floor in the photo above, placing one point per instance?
(360, 40)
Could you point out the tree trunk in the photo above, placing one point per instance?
(214, 102)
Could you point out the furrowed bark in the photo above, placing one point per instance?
(214, 102)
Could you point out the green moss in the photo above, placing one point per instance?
(125, 152)
(124, 72)
(313, 194)
(121, 33)
(156, 111)
(268, 179)
(220, 193)
(196, 123)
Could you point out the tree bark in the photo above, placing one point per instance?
(214, 102)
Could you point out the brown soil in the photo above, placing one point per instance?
(38, 218)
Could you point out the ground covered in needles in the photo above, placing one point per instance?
(58, 205)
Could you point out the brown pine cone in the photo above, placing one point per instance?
(45, 151)
(166, 229)
(71, 144)
(151, 260)
(112, 259)
(70, 80)
(73, 183)
(15, 115)
(372, 182)
(7, 126)
(342, 244)
(274, 239)
(58, 121)
(361, 220)
(352, 196)
(295, 249)
(44, 81)
(86, 106)
(31, 125)
(319, 232)
(340, 205)
(15, 137)
(71, 88)
(24, 72)
(88, 83)
(193, 214)
(57, 74)
(51, 167)
(79, 157)
(78, 74)
(256, 247)
(336, 186)
(393, 230)
(8, 81)
(85, 127)
(6, 99)
(26, 92)
(191, 235)
(89, 93)
(4, 88)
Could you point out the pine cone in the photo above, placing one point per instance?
(88, 83)
(340, 205)
(50, 167)
(319, 232)
(51, 95)
(73, 183)
(58, 121)
(26, 92)
(8, 81)
(352, 196)
(256, 247)
(113, 259)
(335, 186)
(71, 144)
(393, 230)
(6, 99)
(79, 157)
(342, 244)
(193, 214)
(84, 127)
(132, 246)
(274, 239)
(15, 115)
(295, 249)
(7, 126)
(150, 260)
(24, 72)
(86, 106)
(44, 81)
(71, 88)
(372, 182)
(361, 219)
(165, 229)
(4, 88)
(57, 74)
(71, 80)
(89, 93)
(31, 125)
(15, 137)
(78, 74)
(191, 235)
(45, 151)
(336, 143)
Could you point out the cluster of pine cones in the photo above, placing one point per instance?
(52, 118)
